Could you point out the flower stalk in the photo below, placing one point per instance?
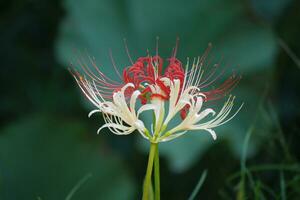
(147, 182)
(156, 174)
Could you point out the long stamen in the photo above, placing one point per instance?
(127, 51)
(114, 64)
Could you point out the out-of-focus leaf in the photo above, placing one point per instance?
(45, 157)
(100, 25)
(270, 9)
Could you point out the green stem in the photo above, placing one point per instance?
(147, 181)
(156, 174)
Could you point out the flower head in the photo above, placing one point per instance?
(176, 92)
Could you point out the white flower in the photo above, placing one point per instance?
(167, 95)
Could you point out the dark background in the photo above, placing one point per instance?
(47, 143)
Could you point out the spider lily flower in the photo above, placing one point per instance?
(178, 92)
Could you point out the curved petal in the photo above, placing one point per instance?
(124, 130)
(171, 137)
(145, 108)
(92, 112)
(198, 105)
(212, 133)
(203, 114)
(133, 101)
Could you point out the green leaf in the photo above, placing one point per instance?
(198, 186)
(45, 157)
(270, 10)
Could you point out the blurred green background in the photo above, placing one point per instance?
(47, 143)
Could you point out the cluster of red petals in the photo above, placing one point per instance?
(143, 71)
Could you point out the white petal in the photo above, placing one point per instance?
(133, 100)
(203, 114)
(143, 134)
(109, 108)
(123, 130)
(145, 108)
(173, 136)
(177, 100)
(198, 106)
(122, 109)
(159, 112)
(212, 132)
(92, 112)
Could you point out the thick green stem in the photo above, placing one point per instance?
(156, 174)
(147, 181)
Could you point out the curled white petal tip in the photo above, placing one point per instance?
(100, 129)
(212, 133)
(93, 112)
(213, 113)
